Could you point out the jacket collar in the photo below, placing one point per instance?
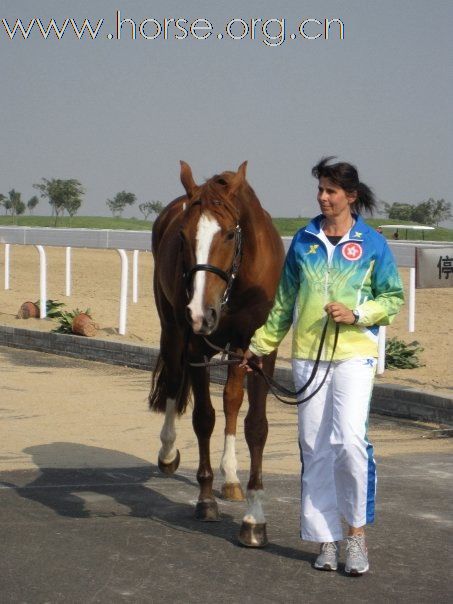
(358, 231)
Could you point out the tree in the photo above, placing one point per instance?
(119, 202)
(32, 203)
(151, 207)
(423, 212)
(16, 205)
(72, 207)
(441, 210)
(398, 211)
(7, 205)
(62, 194)
(427, 212)
(20, 208)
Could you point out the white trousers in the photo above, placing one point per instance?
(338, 469)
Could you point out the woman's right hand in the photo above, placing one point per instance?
(249, 356)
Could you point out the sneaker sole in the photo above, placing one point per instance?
(353, 572)
(327, 567)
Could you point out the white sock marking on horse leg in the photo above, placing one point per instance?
(255, 512)
(167, 453)
(206, 229)
(228, 464)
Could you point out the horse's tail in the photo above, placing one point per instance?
(159, 388)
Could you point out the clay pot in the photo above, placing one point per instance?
(83, 325)
(28, 310)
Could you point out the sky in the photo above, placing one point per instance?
(119, 114)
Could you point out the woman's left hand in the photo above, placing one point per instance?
(340, 313)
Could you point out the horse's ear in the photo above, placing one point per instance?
(186, 178)
(239, 178)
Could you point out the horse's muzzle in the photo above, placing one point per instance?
(205, 323)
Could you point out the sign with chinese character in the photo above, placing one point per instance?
(434, 267)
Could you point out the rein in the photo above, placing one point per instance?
(272, 384)
(236, 358)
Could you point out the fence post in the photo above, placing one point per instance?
(123, 291)
(42, 282)
(7, 246)
(135, 277)
(68, 271)
(412, 276)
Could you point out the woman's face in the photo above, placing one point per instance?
(334, 201)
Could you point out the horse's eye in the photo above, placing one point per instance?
(230, 235)
(222, 182)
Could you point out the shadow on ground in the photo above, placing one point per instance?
(116, 484)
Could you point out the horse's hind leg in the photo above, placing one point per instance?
(253, 529)
(233, 395)
(203, 420)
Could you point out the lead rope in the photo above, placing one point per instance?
(272, 384)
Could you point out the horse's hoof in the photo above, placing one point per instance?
(232, 491)
(207, 511)
(253, 535)
(169, 468)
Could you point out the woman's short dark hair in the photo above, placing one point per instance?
(346, 176)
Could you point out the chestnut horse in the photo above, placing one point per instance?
(217, 260)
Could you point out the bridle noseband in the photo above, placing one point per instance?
(228, 277)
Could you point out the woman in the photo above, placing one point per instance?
(341, 270)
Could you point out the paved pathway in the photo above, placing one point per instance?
(86, 517)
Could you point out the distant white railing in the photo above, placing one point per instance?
(404, 252)
(80, 238)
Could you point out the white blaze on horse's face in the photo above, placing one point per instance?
(206, 229)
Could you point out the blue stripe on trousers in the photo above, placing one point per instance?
(371, 487)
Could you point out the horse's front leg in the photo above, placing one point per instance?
(233, 395)
(169, 457)
(203, 420)
(169, 394)
(253, 530)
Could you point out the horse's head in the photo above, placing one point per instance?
(211, 244)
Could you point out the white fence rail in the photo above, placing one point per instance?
(404, 252)
(81, 238)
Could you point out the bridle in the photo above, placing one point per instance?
(227, 276)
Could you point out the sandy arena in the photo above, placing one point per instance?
(96, 283)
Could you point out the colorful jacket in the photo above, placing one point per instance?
(362, 274)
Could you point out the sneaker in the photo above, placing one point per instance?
(356, 555)
(328, 556)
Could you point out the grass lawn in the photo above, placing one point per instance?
(79, 222)
(285, 226)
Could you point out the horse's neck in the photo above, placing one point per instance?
(252, 217)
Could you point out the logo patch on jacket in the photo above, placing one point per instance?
(352, 251)
(313, 249)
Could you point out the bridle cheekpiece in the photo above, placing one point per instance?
(228, 277)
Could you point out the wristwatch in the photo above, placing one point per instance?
(356, 316)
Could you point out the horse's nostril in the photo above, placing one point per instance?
(211, 316)
(188, 314)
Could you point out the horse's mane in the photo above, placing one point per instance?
(215, 197)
